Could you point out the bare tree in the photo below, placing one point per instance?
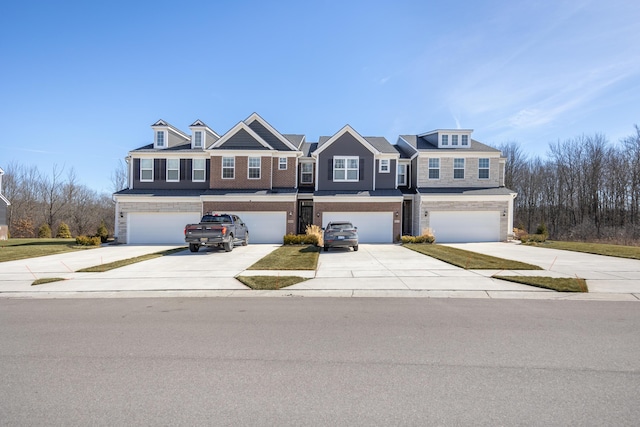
(119, 177)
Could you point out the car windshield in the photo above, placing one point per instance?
(219, 219)
(341, 226)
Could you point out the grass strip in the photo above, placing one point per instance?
(15, 249)
(47, 280)
(124, 262)
(632, 252)
(560, 284)
(269, 283)
(468, 260)
(290, 257)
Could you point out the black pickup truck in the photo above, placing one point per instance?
(223, 230)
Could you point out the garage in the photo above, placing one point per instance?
(265, 227)
(465, 227)
(159, 227)
(373, 227)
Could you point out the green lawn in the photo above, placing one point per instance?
(290, 257)
(468, 260)
(559, 284)
(619, 251)
(124, 262)
(14, 249)
(269, 282)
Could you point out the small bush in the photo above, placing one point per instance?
(300, 239)
(314, 230)
(44, 232)
(425, 237)
(63, 231)
(519, 232)
(103, 233)
(88, 241)
(542, 229)
(533, 238)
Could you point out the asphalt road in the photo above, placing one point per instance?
(319, 361)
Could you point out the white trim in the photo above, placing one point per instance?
(346, 168)
(429, 168)
(463, 168)
(249, 167)
(286, 163)
(256, 116)
(309, 173)
(173, 169)
(341, 132)
(488, 168)
(152, 170)
(252, 198)
(222, 167)
(356, 199)
(380, 165)
(236, 129)
(193, 170)
(414, 149)
(165, 142)
(137, 198)
(403, 165)
(463, 198)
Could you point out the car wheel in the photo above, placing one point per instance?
(228, 246)
(193, 247)
(245, 242)
(355, 248)
(325, 248)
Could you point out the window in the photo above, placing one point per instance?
(346, 168)
(434, 168)
(282, 163)
(160, 138)
(465, 139)
(146, 169)
(384, 166)
(228, 167)
(445, 139)
(402, 174)
(197, 139)
(198, 174)
(454, 139)
(458, 168)
(254, 167)
(483, 168)
(173, 170)
(307, 173)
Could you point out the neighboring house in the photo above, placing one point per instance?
(280, 183)
(4, 203)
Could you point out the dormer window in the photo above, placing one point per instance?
(160, 138)
(445, 139)
(465, 140)
(197, 139)
(454, 139)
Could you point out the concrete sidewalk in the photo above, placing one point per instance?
(373, 271)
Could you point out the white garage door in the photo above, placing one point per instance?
(465, 227)
(265, 227)
(373, 227)
(159, 227)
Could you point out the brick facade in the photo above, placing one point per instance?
(241, 172)
(253, 206)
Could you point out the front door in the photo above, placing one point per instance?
(406, 218)
(305, 215)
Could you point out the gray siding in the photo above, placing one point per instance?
(268, 137)
(346, 145)
(386, 181)
(160, 174)
(242, 141)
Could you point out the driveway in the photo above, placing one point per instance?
(603, 273)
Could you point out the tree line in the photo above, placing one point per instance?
(50, 200)
(587, 188)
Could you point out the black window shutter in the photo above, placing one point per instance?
(159, 169)
(136, 169)
(185, 169)
(330, 175)
(361, 170)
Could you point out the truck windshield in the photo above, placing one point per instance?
(219, 219)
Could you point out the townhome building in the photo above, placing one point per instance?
(281, 183)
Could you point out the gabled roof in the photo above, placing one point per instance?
(405, 151)
(381, 144)
(267, 132)
(325, 142)
(296, 139)
(307, 148)
(241, 137)
(149, 147)
(199, 123)
(162, 123)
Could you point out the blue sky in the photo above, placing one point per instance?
(81, 82)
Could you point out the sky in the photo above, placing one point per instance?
(82, 82)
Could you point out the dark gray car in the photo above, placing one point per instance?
(340, 234)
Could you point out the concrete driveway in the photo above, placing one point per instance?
(603, 273)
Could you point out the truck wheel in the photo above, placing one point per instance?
(326, 248)
(193, 247)
(245, 242)
(355, 248)
(228, 246)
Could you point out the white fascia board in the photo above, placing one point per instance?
(252, 198)
(164, 154)
(341, 132)
(411, 147)
(357, 199)
(5, 200)
(459, 154)
(287, 154)
(240, 153)
(234, 130)
(466, 198)
(167, 126)
(137, 198)
(390, 156)
(256, 116)
(452, 131)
